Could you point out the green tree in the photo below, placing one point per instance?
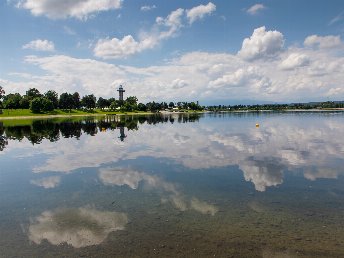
(164, 105)
(36, 105)
(76, 100)
(113, 105)
(40, 104)
(194, 106)
(53, 97)
(111, 100)
(171, 104)
(66, 101)
(12, 101)
(33, 93)
(89, 101)
(132, 100)
(141, 107)
(127, 107)
(25, 102)
(102, 103)
(47, 104)
(179, 105)
(153, 106)
(130, 103)
(2, 93)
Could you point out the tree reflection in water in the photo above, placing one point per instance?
(53, 130)
(3, 140)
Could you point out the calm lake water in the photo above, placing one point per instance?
(174, 186)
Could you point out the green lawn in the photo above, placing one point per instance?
(22, 116)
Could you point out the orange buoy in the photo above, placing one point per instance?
(257, 125)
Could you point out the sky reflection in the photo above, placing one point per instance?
(47, 182)
(170, 193)
(310, 144)
(79, 227)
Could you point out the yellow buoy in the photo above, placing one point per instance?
(257, 125)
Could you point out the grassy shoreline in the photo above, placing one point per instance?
(27, 114)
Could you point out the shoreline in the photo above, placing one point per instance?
(88, 115)
(282, 110)
(163, 113)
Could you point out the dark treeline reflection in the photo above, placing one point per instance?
(3, 140)
(53, 130)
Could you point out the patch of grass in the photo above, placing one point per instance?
(16, 112)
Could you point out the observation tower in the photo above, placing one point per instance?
(120, 90)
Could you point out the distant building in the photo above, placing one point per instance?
(121, 91)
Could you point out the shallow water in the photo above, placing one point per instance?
(174, 186)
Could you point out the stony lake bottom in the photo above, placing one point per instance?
(181, 185)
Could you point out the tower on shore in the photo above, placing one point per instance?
(120, 90)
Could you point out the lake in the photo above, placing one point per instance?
(181, 185)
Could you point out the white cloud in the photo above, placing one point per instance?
(262, 44)
(77, 227)
(337, 18)
(179, 83)
(146, 8)
(57, 9)
(335, 92)
(173, 22)
(127, 46)
(294, 60)
(240, 78)
(64, 73)
(163, 29)
(322, 42)
(294, 73)
(254, 9)
(117, 48)
(198, 12)
(40, 45)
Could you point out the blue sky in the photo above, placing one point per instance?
(215, 52)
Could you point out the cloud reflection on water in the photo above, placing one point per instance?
(169, 191)
(77, 227)
(47, 182)
(263, 173)
(263, 154)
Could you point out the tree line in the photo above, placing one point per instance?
(277, 107)
(44, 102)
